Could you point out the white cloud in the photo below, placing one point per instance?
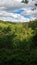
(7, 7)
(19, 0)
(12, 17)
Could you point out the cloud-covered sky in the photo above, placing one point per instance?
(15, 11)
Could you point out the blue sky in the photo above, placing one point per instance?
(15, 11)
(19, 11)
(27, 16)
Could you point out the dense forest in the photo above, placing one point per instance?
(18, 43)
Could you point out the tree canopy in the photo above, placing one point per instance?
(18, 43)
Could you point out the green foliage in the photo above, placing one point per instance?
(24, 1)
(18, 43)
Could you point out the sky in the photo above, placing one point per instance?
(15, 11)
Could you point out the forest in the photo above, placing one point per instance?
(18, 43)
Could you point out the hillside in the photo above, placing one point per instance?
(18, 43)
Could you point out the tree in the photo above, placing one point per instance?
(24, 1)
(35, 4)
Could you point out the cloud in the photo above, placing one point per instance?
(12, 17)
(14, 10)
(32, 14)
(19, 0)
(10, 5)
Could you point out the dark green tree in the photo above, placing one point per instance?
(24, 1)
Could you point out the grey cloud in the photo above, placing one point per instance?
(10, 5)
